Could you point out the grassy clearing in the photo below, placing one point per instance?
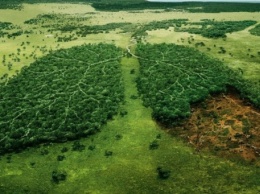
(151, 15)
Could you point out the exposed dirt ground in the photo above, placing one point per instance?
(225, 125)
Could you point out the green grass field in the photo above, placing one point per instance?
(125, 155)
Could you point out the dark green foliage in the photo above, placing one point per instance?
(60, 157)
(165, 24)
(199, 44)
(66, 23)
(207, 28)
(91, 147)
(158, 136)
(123, 113)
(64, 149)
(132, 71)
(249, 90)
(209, 7)
(44, 152)
(32, 164)
(84, 30)
(256, 30)
(77, 146)
(154, 145)
(14, 34)
(118, 136)
(172, 77)
(163, 173)
(215, 7)
(215, 29)
(10, 4)
(108, 153)
(41, 19)
(5, 27)
(119, 5)
(58, 176)
(57, 21)
(66, 38)
(9, 158)
(64, 95)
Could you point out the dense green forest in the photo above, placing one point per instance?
(172, 77)
(64, 95)
(208, 7)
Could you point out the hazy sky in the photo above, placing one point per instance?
(255, 1)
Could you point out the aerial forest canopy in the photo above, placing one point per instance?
(172, 77)
(65, 95)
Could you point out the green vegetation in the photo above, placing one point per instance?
(9, 30)
(72, 93)
(11, 4)
(197, 7)
(172, 77)
(65, 23)
(207, 28)
(56, 20)
(165, 24)
(216, 29)
(84, 30)
(119, 5)
(64, 95)
(5, 27)
(256, 30)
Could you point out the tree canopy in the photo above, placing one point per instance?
(172, 77)
(65, 95)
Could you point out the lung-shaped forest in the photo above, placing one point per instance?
(71, 93)
(64, 95)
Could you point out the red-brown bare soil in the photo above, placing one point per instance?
(225, 125)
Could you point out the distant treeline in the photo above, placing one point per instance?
(211, 7)
(118, 5)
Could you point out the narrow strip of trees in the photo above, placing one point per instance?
(216, 29)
